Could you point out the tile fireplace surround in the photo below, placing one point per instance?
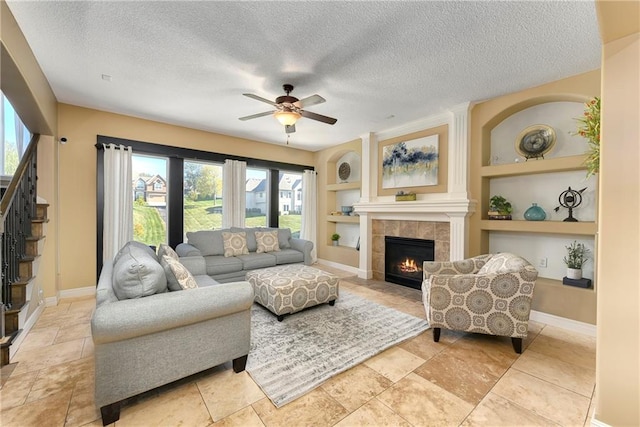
(437, 231)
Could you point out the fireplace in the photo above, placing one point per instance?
(403, 258)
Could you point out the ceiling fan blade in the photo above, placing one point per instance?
(309, 101)
(290, 128)
(259, 98)
(255, 116)
(318, 117)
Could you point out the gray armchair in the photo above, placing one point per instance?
(488, 294)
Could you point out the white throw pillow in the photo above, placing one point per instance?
(178, 274)
(267, 241)
(235, 243)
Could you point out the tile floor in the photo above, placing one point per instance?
(465, 380)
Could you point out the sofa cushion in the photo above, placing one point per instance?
(209, 242)
(256, 260)
(178, 276)
(168, 251)
(203, 281)
(137, 274)
(234, 243)
(288, 256)
(504, 262)
(220, 264)
(267, 241)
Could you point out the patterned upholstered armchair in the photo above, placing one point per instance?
(488, 294)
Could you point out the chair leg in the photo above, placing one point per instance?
(436, 334)
(110, 413)
(240, 363)
(517, 344)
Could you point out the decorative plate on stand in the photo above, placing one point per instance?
(344, 171)
(535, 141)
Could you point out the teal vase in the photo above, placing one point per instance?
(535, 213)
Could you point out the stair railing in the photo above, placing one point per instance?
(17, 209)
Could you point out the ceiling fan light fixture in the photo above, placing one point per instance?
(287, 118)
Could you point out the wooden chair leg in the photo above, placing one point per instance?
(436, 334)
(517, 344)
(110, 413)
(240, 363)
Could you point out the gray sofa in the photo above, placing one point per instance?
(146, 335)
(207, 248)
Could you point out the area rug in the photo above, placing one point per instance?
(292, 357)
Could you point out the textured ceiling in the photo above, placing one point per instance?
(379, 65)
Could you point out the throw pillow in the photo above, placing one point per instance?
(167, 250)
(267, 241)
(234, 243)
(178, 275)
(503, 263)
(137, 274)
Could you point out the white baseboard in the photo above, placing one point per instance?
(564, 323)
(348, 268)
(70, 293)
(15, 346)
(598, 423)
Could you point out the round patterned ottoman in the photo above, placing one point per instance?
(290, 288)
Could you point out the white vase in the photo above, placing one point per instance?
(574, 273)
(335, 242)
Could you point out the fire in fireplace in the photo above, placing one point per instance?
(403, 258)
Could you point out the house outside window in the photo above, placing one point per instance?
(290, 208)
(202, 196)
(150, 199)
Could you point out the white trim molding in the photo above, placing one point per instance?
(563, 322)
(87, 291)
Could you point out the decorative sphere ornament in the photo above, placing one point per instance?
(570, 199)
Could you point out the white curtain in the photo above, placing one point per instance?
(310, 210)
(234, 193)
(118, 200)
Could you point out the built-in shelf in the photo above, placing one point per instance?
(344, 219)
(343, 248)
(531, 167)
(545, 281)
(551, 227)
(344, 186)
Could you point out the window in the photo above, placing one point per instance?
(256, 206)
(149, 207)
(202, 193)
(15, 137)
(290, 206)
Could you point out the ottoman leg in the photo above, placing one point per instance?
(332, 302)
(280, 317)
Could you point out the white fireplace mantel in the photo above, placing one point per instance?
(452, 207)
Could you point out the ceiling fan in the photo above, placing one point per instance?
(289, 109)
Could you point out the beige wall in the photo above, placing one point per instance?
(618, 265)
(22, 79)
(77, 174)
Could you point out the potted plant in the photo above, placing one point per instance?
(589, 128)
(576, 257)
(334, 238)
(499, 208)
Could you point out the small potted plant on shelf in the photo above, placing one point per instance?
(499, 208)
(334, 238)
(577, 254)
